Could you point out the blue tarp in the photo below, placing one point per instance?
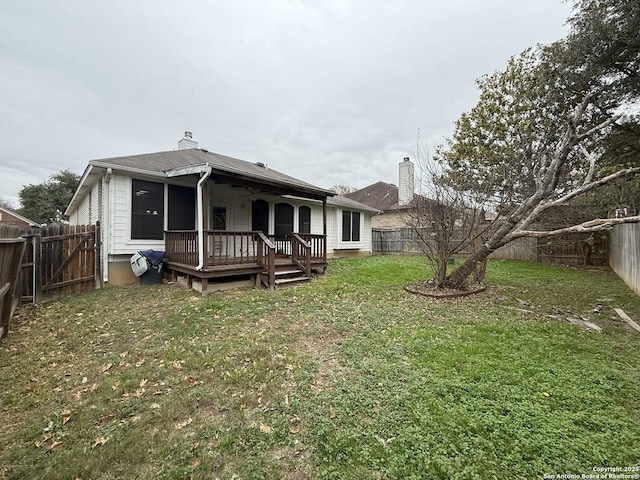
(154, 256)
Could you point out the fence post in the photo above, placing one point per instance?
(37, 266)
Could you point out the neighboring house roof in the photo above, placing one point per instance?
(190, 161)
(17, 216)
(380, 196)
(342, 201)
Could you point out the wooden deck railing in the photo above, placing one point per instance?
(221, 247)
(244, 248)
(181, 246)
(267, 258)
(318, 244)
(301, 253)
(231, 248)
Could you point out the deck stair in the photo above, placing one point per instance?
(290, 277)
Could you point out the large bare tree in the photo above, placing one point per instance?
(444, 221)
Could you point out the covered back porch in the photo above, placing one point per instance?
(263, 229)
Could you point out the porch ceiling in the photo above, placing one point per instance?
(267, 187)
(267, 181)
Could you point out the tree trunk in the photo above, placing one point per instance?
(458, 277)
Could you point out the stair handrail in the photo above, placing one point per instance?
(267, 261)
(301, 253)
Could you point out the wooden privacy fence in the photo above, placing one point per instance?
(574, 249)
(60, 260)
(11, 250)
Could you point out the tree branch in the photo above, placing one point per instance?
(590, 186)
(592, 165)
(604, 124)
(597, 225)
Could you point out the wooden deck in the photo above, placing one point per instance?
(249, 255)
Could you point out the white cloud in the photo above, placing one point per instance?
(327, 91)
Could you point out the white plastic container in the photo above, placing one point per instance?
(139, 264)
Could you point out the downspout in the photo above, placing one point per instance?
(204, 178)
(106, 226)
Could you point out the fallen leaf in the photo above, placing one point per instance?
(100, 441)
(195, 463)
(294, 429)
(266, 428)
(56, 446)
(181, 425)
(136, 419)
(332, 412)
(103, 420)
(143, 382)
(546, 394)
(157, 392)
(106, 367)
(115, 386)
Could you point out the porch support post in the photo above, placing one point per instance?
(324, 228)
(206, 207)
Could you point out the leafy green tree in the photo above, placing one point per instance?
(603, 47)
(546, 131)
(46, 202)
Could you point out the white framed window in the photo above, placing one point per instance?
(350, 226)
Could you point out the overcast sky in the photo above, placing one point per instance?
(328, 91)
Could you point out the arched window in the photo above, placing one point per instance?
(283, 213)
(304, 219)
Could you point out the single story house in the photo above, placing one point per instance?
(215, 216)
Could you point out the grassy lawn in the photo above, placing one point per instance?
(346, 377)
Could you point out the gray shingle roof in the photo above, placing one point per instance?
(162, 162)
(344, 202)
(381, 196)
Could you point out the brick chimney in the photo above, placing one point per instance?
(406, 188)
(187, 142)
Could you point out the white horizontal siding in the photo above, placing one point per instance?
(238, 204)
(335, 245)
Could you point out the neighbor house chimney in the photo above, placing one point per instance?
(187, 142)
(406, 186)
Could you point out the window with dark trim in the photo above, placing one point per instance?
(181, 208)
(350, 226)
(304, 219)
(219, 218)
(147, 210)
(283, 219)
(260, 216)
